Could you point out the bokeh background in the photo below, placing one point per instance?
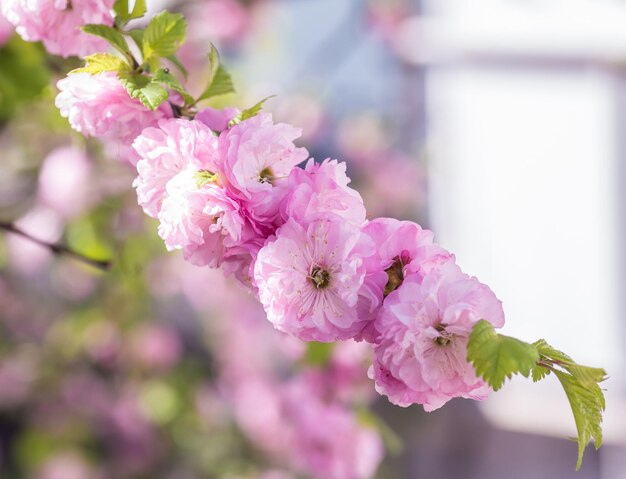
(499, 124)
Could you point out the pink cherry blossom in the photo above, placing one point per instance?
(425, 323)
(258, 157)
(329, 442)
(202, 221)
(65, 182)
(99, 106)
(291, 422)
(217, 120)
(319, 189)
(57, 23)
(403, 247)
(165, 151)
(312, 280)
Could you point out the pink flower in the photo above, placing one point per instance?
(57, 23)
(328, 443)
(425, 324)
(293, 423)
(312, 280)
(319, 189)
(216, 120)
(202, 221)
(64, 182)
(165, 151)
(218, 19)
(403, 247)
(6, 30)
(99, 106)
(258, 157)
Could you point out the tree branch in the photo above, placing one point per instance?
(57, 249)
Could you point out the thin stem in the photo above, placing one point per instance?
(58, 249)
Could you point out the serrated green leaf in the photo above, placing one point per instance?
(584, 374)
(587, 406)
(539, 372)
(497, 357)
(111, 35)
(249, 112)
(150, 93)
(220, 82)
(318, 354)
(102, 62)
(166, 79)
(164, 35)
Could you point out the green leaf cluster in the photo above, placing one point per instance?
(497, 357)
(145, 78)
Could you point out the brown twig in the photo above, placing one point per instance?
(58, 249)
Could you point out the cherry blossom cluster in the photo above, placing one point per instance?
(57, 23)
(243, 197)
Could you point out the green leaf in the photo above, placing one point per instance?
(539, 372)
(121, 9)
(111, 35)
(318, 354)
(249, 112)
(139, 10)
(587, 406)
(102, 62)
(497, 357)
(584, 374)
(163, 35)
(151, 94)
(204, 177)
(166, 79)
(220, 82)
(125, 14)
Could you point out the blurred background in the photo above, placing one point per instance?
(495, 123)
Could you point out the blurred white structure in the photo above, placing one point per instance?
(527, 120)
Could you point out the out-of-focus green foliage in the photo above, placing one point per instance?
(23, 75)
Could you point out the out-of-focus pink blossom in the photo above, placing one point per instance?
(317, 438)
(320, 189)
(99, 106)
(155, 347)
(425, 325)
(6, 29)
(312, 280)
(217, 120)
(213, 20)
(65, 182)
(57, 23)
(258, 157)
(166, 150)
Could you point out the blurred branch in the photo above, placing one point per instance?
(57, 249)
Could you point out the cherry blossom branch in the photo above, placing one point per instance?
(58, 249)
